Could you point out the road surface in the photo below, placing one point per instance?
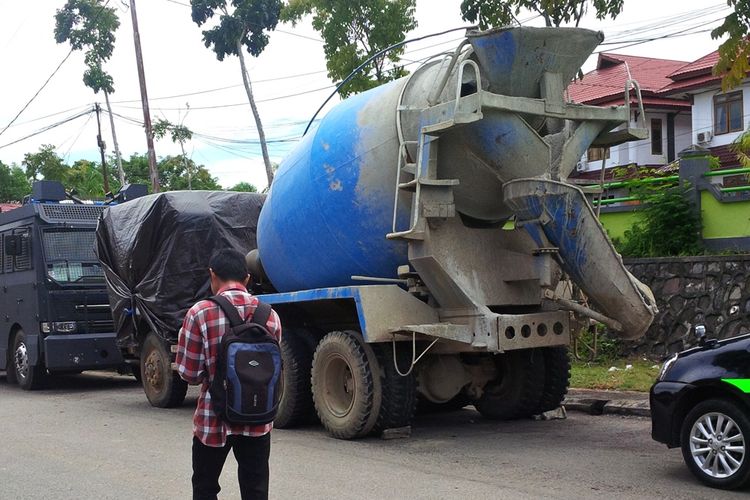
(94, 436)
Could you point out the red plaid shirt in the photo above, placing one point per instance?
(197, 348)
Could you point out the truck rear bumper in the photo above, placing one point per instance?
(82, 352)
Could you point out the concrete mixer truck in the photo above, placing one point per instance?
(423, 242)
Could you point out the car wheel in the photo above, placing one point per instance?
(714, 439)
(29, 377)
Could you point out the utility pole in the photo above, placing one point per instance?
(153, 172)
(102, 147)
(118, 156)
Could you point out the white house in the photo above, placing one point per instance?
(667, 117)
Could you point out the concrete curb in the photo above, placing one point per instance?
(608, 402)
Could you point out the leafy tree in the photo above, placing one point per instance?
(13, 183)
(489, 13)
(668, 226)
(244, 187)
(733, 63)
(90, 25)
(46, 163)
(353, 31)
(173, 174)
(86, 178)
(180, 134)
(242, 25)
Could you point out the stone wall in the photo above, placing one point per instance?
(713, 291)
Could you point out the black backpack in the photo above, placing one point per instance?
(245, 389)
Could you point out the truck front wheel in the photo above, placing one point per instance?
(26, 375)
(163, 387)
(345, 385)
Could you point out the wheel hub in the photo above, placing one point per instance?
(340, 386)
(153, 371)
(717, 445)
(22, 360)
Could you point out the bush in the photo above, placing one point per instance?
(669, 225)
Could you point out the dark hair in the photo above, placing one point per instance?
(228, 264)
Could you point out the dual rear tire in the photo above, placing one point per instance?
(356, 388)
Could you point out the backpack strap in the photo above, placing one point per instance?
(262, 314)
(229, 310)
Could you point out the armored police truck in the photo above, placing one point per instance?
(54, 310)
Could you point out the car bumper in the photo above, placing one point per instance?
(82, 352)
(664, 399)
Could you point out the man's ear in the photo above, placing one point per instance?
(247, 280)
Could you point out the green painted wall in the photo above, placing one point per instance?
(616, 223)
(724, 220)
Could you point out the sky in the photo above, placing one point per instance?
(187, 84)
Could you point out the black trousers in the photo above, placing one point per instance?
(252, 457)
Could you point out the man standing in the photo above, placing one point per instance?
(197, 351)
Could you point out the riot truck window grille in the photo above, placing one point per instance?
(69, 256)
(22, 261)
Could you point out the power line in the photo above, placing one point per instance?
(278, 31)
(48, 127)
(50, 77)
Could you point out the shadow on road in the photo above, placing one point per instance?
(83, 382)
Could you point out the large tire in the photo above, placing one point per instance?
(296, 404)
(28, 377)
(163, 387)
(517, 389)
(717, 454)
(347, 396)
(399, 402)
(556, 377)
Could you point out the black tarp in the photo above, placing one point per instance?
(155, 250)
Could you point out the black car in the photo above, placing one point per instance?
(701, 403)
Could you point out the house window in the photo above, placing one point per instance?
(656, 146)
(595, 154)
(728, 113)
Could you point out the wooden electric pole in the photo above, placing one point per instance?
(102, 147)
(153, 172)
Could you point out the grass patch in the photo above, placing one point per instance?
(596, 375)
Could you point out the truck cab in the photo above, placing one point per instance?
(54, 310)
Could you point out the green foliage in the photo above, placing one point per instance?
(489, 13)
(669, 224)
(89, 25)
(353, 31)
(741, 147)
(180, 133)
(244, 187)
(45, 163)
(13, 183)
(247, 22)
(595, 344)
(733, 63)
(173, 175)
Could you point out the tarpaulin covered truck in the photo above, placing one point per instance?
(386, 235)
(154, 252)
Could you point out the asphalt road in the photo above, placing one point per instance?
(94, 436)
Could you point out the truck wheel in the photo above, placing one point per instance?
(517, 389)
(163, 387)
(296, 404)
(28, 377)
(556, 377)
(347, 396)
(714, 440)
(399, 401)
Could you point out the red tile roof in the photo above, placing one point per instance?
(607, 81)
(699, 81)
(5, 207)
(697, 67)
